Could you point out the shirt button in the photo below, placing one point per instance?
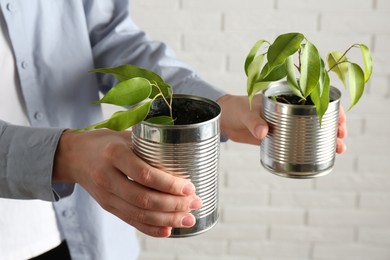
(68, 213)
(11, 7)
(38, 116)
(24, 64)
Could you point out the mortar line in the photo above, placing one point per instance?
(374, 4)
(181, 42)
(311, 250)
(319, 19)
(223, 21)
(356, 234)
(355, 165)
(227, 62)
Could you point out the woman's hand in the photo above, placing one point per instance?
(104, 164)
(242, 124)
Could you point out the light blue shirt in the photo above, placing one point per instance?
(55, 43)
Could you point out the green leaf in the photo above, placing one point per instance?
(253, 75)
(292, 78)
(256, 87)
(356, 83)
(122, 120)
(252, 54)
(161, 120)
(276, 74)
(125, 72)
(284, 46)
(367, 61)
(320, 94)
(310, 68)
(338, 64)
(128, 92)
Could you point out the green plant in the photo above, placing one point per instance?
(313, 82)
(137, 88)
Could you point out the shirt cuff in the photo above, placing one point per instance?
(26, 163)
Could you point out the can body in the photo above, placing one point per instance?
(189, 151)
(296, 145)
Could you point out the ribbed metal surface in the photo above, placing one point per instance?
(296, 146)
(188, 151)
(195, 161)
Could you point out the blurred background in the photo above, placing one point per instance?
(345, 215)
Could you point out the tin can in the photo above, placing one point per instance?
(296, 146)
(188, 150)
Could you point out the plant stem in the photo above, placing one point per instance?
(342, 56)
(169, 104)
(299, 60)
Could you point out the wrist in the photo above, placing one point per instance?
(62, 168)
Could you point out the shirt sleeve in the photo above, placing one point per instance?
(117, 40)
(26, 163)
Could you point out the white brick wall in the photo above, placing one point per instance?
(345, 215)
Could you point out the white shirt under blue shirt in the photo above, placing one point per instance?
(54, 44)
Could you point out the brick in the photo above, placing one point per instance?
(383, 4)
(313, 199)
(382, 42)
(260, 178)
(152, 256)
(172, 39)
(354, 182)
(206, 257)
(223, 231)
(270, 249)
(205, 61)
(349, 218)
(375, 200)
(188, 246)
(178, 20)
(260, 215)
(344, 162)
(241, 162)
(381, 63)
(243, 148)
(351, 252)
(270, 21)
(236, 63)
(376, 126)
(232, 83)
(225, 42)
(366, 145)
(248, 197)
(368, 105)
(355, 127)
(311, 234)
(201, 5)
(334, 41)
(144, 6)
(379, 86)
(376, 163)
(284, 258)
(355, 22)
(324, 5)
(374, 236)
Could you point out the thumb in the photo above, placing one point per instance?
(257, 126)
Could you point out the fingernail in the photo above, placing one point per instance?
(195, 204)
(188, 221)
(164, 232)
(259, 131)
(188, 189)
